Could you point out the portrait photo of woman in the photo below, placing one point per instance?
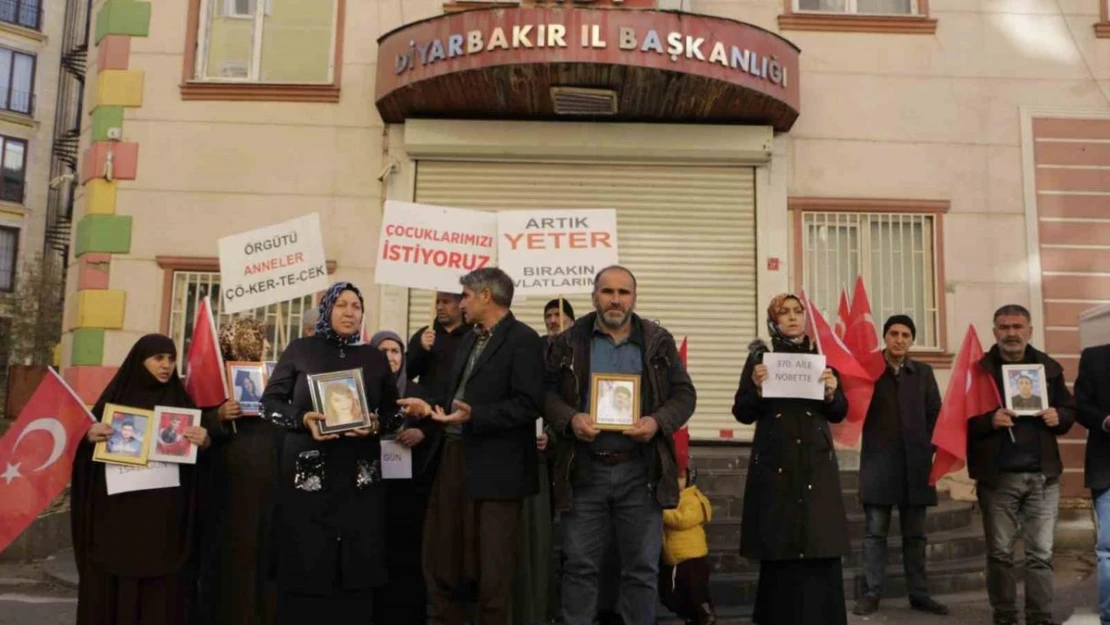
(341, 405)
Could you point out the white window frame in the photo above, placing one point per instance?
(209, 280)
(16, 249)
(851, 7)
(929, 330)
(254, 65)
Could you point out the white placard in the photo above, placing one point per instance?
(794, 375)
(396, 461)
(126, 479)
(272, 264)
(556, 252)
(431, 247)
(539, 427)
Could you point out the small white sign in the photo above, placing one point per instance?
(556, 252)
(794, 375)
(125, 479)
(396, 461)
(272, 264)
(431, 247)
(539, 427)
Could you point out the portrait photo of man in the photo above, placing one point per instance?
(616, 402)
(127, 439)
(1024, 389)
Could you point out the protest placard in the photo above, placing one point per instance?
(556, 252)
(272, 264)
(396, 460)
(431, 247)
(794, 375)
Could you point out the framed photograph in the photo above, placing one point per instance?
(130, 439)
(247, 379)
(614, 401)
(1026, 389)
(341, 397)
(170, 444)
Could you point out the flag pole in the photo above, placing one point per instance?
(432, 323)
(560, 314)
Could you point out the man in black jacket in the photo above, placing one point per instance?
(1092, 400)
(894, 466)
(1015, 462)
(489, 462)
(615, 480)
(431, 352)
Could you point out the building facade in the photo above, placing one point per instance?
(952, 152)
(33, 221)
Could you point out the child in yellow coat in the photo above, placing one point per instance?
(684, 576)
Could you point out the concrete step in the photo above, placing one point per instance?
(724, 534)
(957, 544)
(729, 591)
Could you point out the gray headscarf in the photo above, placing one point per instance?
(402, 375)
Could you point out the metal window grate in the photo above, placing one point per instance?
(9, 253)
(894, 252)
(282, 321)
(858, 7)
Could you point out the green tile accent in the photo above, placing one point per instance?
(103, 118)
(103, 233)
(88, 347)
(123, 17)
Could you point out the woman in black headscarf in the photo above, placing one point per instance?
(328, 527)
(135, 550)
(793, 518)
(404, 600)
(234, 587)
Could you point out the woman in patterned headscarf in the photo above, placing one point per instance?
(328, 525)
(794, 520)
(235, 587)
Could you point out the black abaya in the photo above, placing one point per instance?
(135, 550)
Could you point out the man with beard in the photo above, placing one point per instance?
(1015, 462)
(431, 353)
(620, 481)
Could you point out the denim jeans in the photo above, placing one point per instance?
(912, 519)
(614, 498)
(1102, 552)
(1029, 502)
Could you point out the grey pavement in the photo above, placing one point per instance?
(28, 597)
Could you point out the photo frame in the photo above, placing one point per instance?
(169, 442)
(129, 443)
(341, 397)
(247, 380)
(614, 401)
(1026, 389)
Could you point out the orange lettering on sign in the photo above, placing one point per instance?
(559, 240)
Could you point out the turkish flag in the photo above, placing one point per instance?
(857, 383)
(36, 454)
(682, 436)
(860, 336)
(971, 392)
(204, 373)
(843, 314)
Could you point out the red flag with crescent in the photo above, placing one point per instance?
(36, 454)
(204, 373)
(682, 436)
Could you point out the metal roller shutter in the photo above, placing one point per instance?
(688, 233)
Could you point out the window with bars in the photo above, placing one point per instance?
(17, 77)
(283, 321)
(858, 7)
(9, 253)
(271, 41)
(26, 13)
(896, 253)
(13, 158)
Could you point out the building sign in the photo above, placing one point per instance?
(465, 58)
(593, 4)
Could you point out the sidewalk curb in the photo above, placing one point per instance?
(61, 569)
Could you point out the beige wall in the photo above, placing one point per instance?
(888, 116)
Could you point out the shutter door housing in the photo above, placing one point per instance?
(688, 233)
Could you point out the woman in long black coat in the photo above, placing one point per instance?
(136, 551)
(328, 525)
(794, 521)
(404, 599)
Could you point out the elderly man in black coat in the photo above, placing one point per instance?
(894, 467)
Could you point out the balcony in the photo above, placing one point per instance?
(23, 13)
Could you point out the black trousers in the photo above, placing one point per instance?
(684, 589)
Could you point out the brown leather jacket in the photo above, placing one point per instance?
(670, 399)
